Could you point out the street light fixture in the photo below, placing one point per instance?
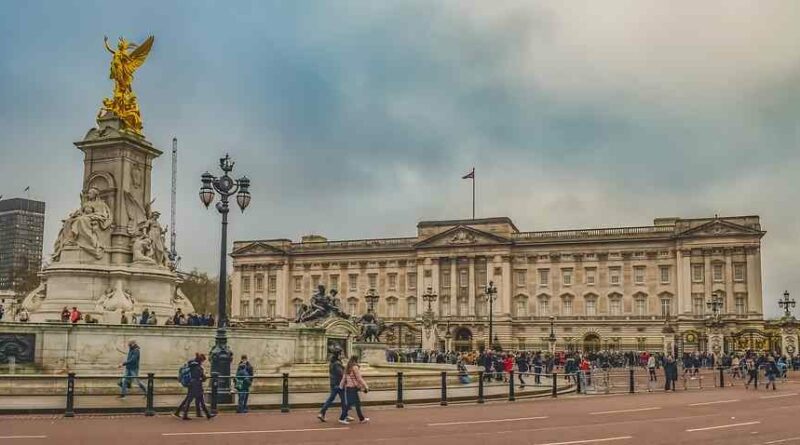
(372, 298)
(786, 304)
(225, 186)
(491, 294)
(715, 305)
(429, 297)
(552, 337)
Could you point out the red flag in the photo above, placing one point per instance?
(470, 175)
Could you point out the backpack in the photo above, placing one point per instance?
(185, 375)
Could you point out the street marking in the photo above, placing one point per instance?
(605, 439)
(714, 402)
(23, 437)
(779, 396)
(487, 421)
(653, 408)
(788, 439)
(219, 433)
(719, 427)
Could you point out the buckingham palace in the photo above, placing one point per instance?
(619, 288)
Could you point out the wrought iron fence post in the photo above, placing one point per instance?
(399, 403)
(444, 389)
(149, 410)
(511, 396)
(555, 384)
(631, 382)
(721, 378)
(70, 409)
(480, 387)
(578, 378)
(285, 393)
(214, 391)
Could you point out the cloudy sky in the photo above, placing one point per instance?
(357, 119)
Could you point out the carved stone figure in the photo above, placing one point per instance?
(84, 226)
(116, 299)
(181, 301)
(35, 298)
(155, 232)
(142, 249)
(462, 237)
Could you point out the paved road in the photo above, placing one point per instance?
(729, 416)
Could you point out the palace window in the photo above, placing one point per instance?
(412, 281)
(741, 304)
(391, 307)
(245, 309)
(591, 276)
(544, 277)
(412, 307)
(352, 306)
(717, 272)
(334, 282)
(591, 307)
(444, 307)
(566, 306)
(638, 274)
(353, 282)
(373, 280)
(260, 283)
(613, 275)
(566, 277)
(462, 307)
(641, 306)
(666, 305)
(258, 307)
(481, 273)
(521, 277)
(298, 304)
(463, 278)
(298, 284)
(392, 281)
(271, 308)
(738, 272)
(665, 275)
(544, 307)
(615, 306)
(522, 307)
(246, 285)
(315, 280)
(446, 279)
(697, 273)
(698, 305)
(272, 283)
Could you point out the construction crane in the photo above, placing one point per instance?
(173, 251)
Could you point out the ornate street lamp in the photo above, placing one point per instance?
(491, 294)
(715, 305)
(552, 337)
(371, 298)
(786, 304)
(225, 186)
(429, 297)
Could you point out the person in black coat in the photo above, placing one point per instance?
(522, 367)
(670, 373)
(195, 390)
(336, 371)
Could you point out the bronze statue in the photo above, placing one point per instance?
(125, 60)
(321, 306)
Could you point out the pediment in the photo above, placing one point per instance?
(719, 227)
(462, 236)
(257, 248)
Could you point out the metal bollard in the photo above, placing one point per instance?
(511, 397)
(399, 403)
(555, 384)
(578, 381)
(285, 393)
(70, 410)
(149, 410)
(444, 389)
(631, 382)
(214, 392)
(480, 387)
(721, 377)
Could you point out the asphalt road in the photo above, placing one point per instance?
(726, 416)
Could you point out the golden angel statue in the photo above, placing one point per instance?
(125, 60)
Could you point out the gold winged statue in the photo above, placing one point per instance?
(125, 60)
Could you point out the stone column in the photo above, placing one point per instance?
(505, 290)
(708, 275)
(453, 286)
(282, 290)
(435, 284)
(683, 279)
(730, 306)
(754, 303)
(471, 288)
(236, 291)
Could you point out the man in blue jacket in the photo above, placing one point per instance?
(131, 366)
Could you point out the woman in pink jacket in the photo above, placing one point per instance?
(352, 383)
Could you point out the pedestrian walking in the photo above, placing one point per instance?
(752, 373)
(352, 383)
(670, 373)
(131, 365)
(522, 368)
(336, 373)
(243, 381)
(651, 367)
(194, 390)
(771, 372)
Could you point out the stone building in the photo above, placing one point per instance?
(21, 233)
(603, 289)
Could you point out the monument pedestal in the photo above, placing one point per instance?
(371, 353)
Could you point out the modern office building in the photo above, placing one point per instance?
(606, 288)
(21, 234)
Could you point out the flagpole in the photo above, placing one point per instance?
(473, 193)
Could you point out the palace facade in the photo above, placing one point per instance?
(616, 288)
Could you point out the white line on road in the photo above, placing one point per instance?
(788, 439)
(636, 410)
(719, 427)
(22, 437)
(487, 421)
(573, 442)
(714, 402)
(219, 433)
(778, 396)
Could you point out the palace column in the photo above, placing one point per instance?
(730, 307)
(236, 291)
(282, 289)
(454, 286)
(505, 290)
(435, 284)
(471, 284)
(683, 277)
(754, 303)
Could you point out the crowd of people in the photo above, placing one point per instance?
(146, 317)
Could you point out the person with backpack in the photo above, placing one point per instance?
(194, 373)
(131, 365)
(243, 381)
(352, 383)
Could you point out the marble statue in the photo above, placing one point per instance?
(142, 248)
(83, 227)
(116, 299)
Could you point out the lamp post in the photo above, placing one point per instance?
(429, 297)
(225, 186)
(786, 304)
(491, 294)
(371, 298)
(715, 305)
(552, 337)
